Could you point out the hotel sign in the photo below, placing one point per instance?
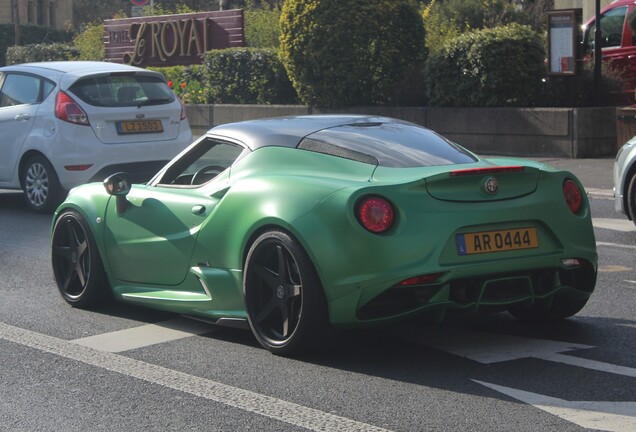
(172, 39)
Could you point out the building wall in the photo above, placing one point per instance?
(52, 13)
(588, 6)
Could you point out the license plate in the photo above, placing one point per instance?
(139, 126)
(497, 241)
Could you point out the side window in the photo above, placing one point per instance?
(19, 90)
(202, 163)
(47, 88)
(612, 25)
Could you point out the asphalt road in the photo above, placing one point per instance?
(132, 369)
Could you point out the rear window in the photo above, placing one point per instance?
(397, 145)
(123, 91)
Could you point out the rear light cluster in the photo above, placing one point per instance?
(68, 110)
(420, 280)
(375, 214)
(573, 195)
(183, 110)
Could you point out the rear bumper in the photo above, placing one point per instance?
(489, 292)
(140, 160)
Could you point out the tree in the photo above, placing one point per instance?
(535, 10)
(90, 42)
(445, 20)
(85, 11)
(16, 21)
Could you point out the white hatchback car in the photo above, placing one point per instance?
(67, 123)
(625, 180)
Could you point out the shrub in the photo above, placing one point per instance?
(30, 34)
(40, 53)
(248, 76)
(353, 52)
(446, 20)
(578, 90)
(188, 82)
(90, 42)
(502, 66)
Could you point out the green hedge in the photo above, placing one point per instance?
(188, 82)
(40, 53)
(354, 52)
(502, 66)
(247, 76)
(30, 34)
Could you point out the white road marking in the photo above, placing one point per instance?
(618, 245)
(489, 348)
(631, 281)
(606, 416)
(613, 268)
(622, 225)
(588, 364)
(151, 334)
(246, 400)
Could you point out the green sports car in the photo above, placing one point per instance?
(293, 226)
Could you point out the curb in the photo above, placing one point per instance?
(600, 193)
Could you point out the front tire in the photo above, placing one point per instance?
(77, 266)
(285, 303)
(631, 199)
(42, 189)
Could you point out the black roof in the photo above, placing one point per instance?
(288, 131)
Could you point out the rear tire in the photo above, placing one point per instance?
(42, 189)
(284, 299)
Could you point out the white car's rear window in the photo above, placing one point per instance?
(123, 90)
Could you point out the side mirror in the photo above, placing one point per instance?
(117, 184)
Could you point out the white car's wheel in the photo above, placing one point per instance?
(42, 190)
(631, 199)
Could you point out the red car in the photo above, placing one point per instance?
(618, 44)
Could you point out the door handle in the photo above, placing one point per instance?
(22, 117)
(198, 209)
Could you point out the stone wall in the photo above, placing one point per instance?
(534, 132)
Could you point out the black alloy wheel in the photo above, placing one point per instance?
(285, 303)
(76, 263)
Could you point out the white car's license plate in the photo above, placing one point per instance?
(139, 126)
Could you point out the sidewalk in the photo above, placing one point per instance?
(595, 174)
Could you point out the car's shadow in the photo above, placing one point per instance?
(12, 199)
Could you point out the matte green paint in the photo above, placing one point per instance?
(162, 254)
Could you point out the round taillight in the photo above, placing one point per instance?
(376, 214)
(572, 195)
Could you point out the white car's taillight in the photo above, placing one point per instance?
(183, 109)
(68, 110)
